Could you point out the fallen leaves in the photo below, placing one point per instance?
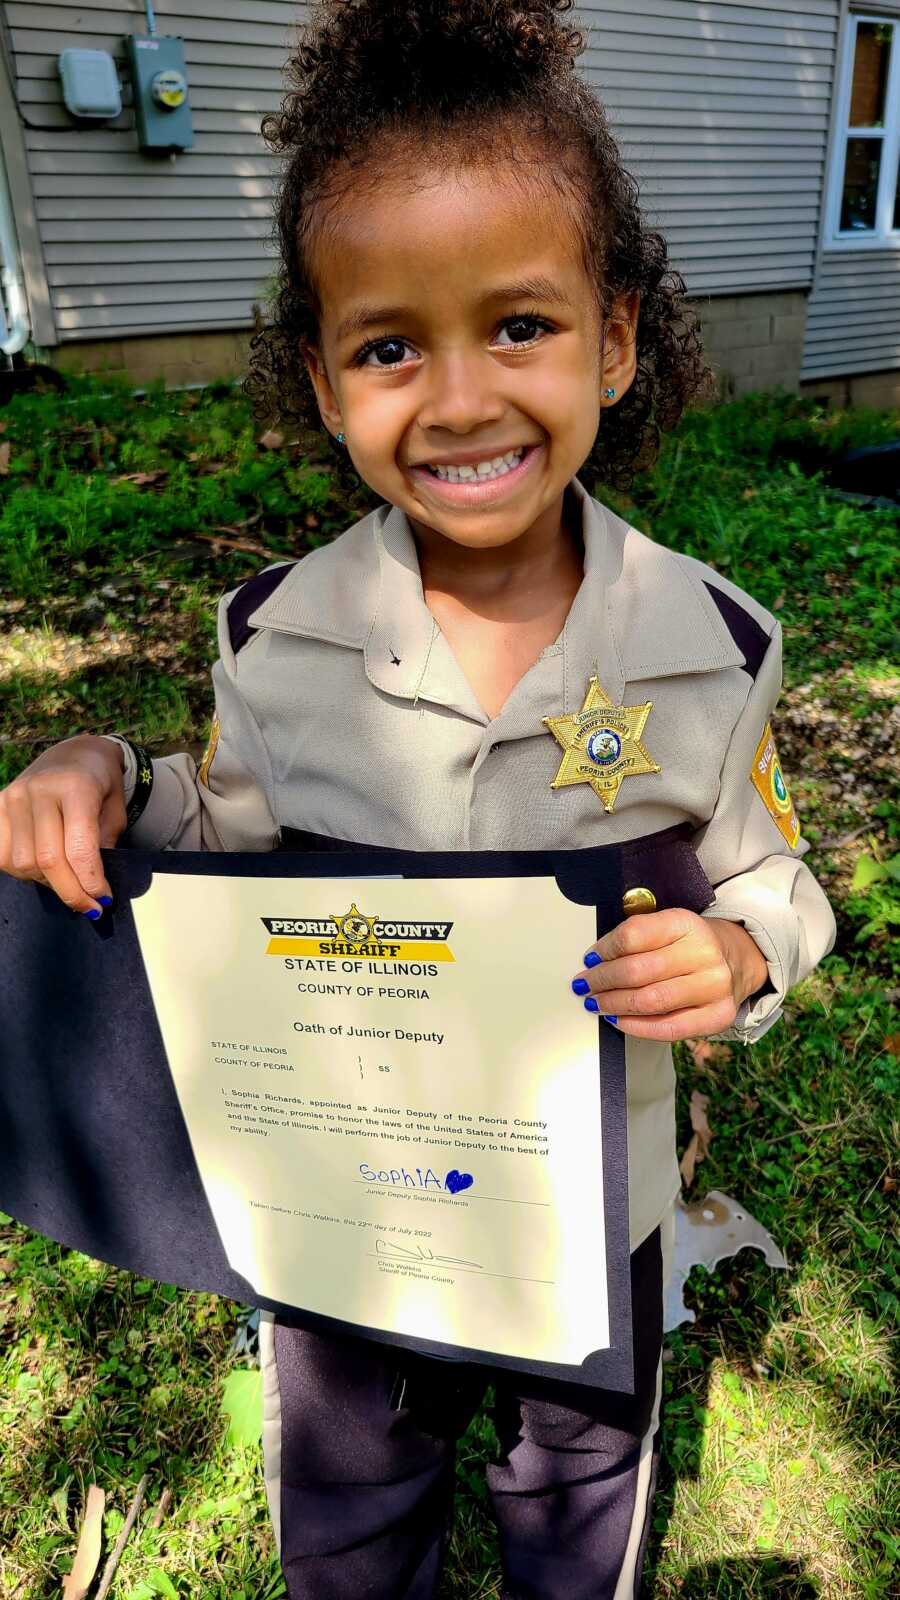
(87, 1557)
(248, 546)
(109, 1571)
(143, 480)
(698, 1148)
(706, 1053)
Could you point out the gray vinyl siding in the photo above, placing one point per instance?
(722, 113)
(853, 314)
(137, 244)
(721, 108)
(853, 311)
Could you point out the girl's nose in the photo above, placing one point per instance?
(461, 393)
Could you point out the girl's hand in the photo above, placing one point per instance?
(58, 812)
(671, 975)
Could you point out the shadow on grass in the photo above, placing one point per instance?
(737, 1307)
(812, 1408)
(740, 1577)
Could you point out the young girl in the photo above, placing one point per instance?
(471, 304)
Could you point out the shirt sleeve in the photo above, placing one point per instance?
(760, 879)
(226, 803)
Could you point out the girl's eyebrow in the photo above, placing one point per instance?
(537, 288)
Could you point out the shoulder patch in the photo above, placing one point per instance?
(768, 780)
(250, 595)
(750, 638)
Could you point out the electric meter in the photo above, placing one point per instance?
(162, 110)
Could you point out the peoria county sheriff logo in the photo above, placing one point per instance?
(768, 780)
(356, 934)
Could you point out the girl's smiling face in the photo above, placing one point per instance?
(459, 326)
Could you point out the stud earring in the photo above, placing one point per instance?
(610, 394)
(341, 438)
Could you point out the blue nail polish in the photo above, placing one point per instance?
(592, 959)
(613, 1020)
(104, 899)
(93, 914)
(581, 986)
(591, 1005)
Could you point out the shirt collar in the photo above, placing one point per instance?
(641, 612)
(405, 652)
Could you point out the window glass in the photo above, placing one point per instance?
(860, 192)
(897, 202)
(870, 72)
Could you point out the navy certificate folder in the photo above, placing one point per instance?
(94, 1152)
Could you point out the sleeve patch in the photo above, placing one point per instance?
(206, 763)
(768, 779)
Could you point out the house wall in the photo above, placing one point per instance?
(852, 341)
(853, 316)
(721, 109)
(137, 244)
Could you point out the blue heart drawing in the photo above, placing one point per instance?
(455, 1181)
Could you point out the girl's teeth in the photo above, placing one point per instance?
(482, 470)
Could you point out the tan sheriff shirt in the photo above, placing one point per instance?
(345, 713)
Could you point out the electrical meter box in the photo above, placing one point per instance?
(159, 83)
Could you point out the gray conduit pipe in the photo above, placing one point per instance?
(18, 330)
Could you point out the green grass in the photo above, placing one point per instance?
(780, 1474)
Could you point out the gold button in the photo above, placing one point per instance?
(637, 900)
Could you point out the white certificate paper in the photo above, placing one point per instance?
(393, 1098)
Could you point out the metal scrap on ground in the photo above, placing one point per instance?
(705, 1234)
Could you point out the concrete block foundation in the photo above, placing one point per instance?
(177, 358)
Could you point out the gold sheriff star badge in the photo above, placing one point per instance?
(602, 745)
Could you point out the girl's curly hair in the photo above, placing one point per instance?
(478, 80)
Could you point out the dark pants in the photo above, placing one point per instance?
(363, 1479)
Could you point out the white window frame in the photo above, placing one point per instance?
(884, 236)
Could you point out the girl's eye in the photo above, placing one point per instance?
(387, 353)
(522, 330)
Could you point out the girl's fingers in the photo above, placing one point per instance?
(51, 848)
(651, 931)
(19, 854)
(635, 972)
(55, 816)
(82, 824)
(695, 1022)
(670, 995)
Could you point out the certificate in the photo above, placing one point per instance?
(353, 1088)
(393, 1099)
